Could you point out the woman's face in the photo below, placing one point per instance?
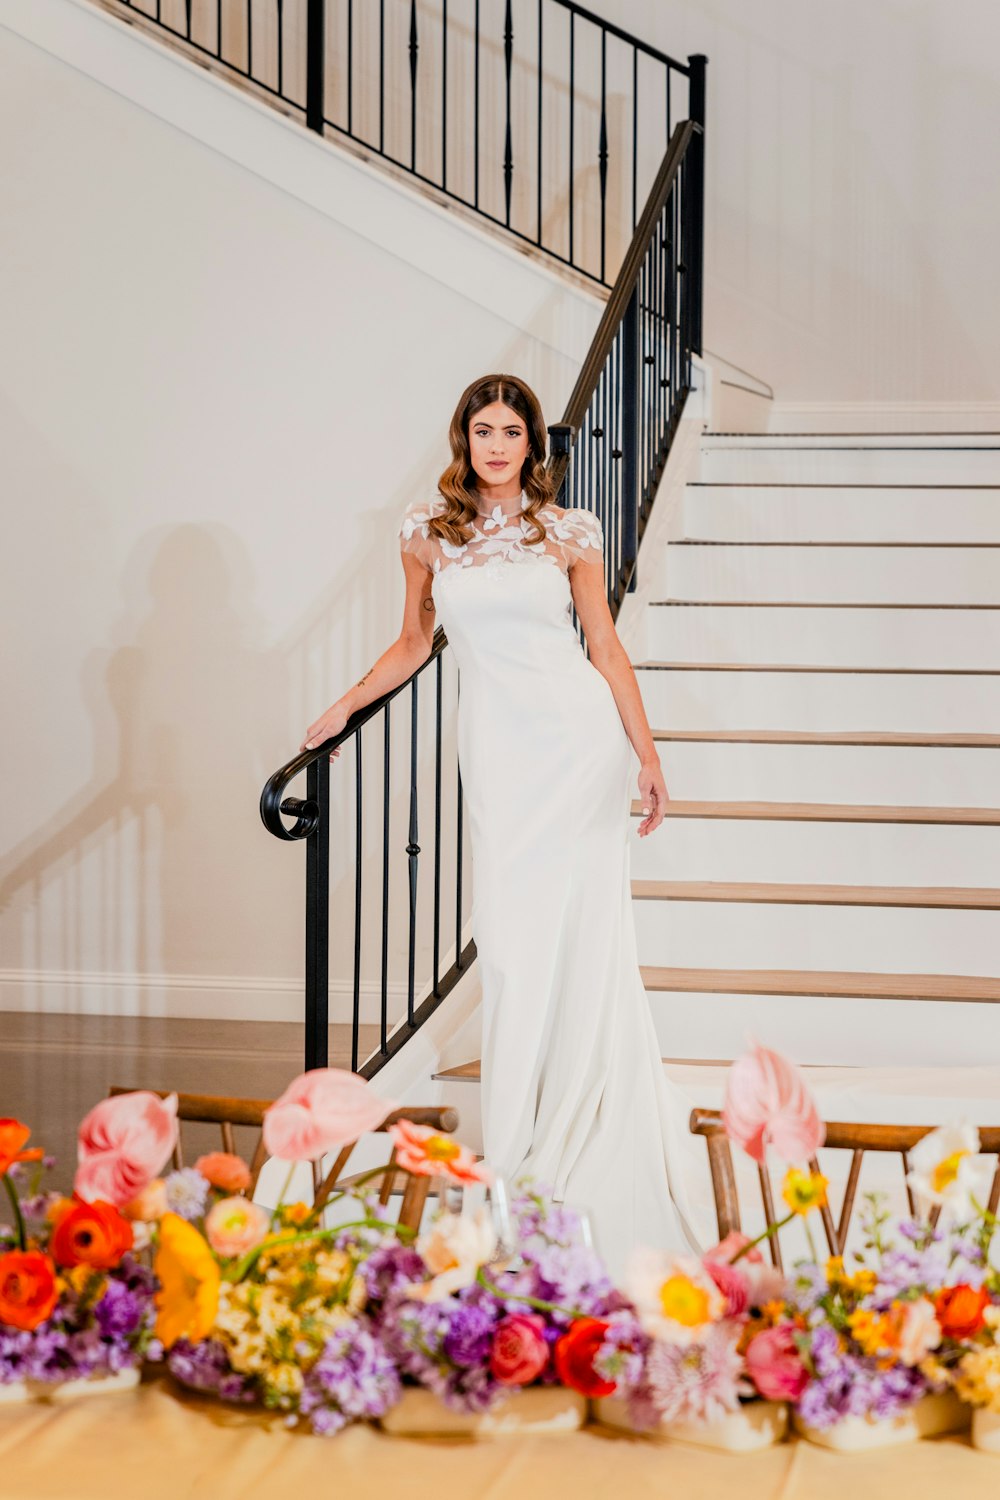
(498, 446)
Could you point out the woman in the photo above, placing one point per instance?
(573, 1090)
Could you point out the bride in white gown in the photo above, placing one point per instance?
(573, 1089)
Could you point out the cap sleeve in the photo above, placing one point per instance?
(582, 535)
(413, 534)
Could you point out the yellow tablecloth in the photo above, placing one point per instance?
(150, 1445)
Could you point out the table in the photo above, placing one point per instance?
(151, 1444)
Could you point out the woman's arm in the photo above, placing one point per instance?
(409, 651)
(609, 656)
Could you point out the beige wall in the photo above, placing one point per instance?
(215, 400)
(853, 218)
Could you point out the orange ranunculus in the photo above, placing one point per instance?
(89, 1234)
(573, 1356)
(229, 1173)
(28, 1291)
(12, 1138)
(960, 1310)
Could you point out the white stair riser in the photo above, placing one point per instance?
(850, 466)
(697, 771)
(820, 700)
(815, 1029)
(829, 637)
(758, 935)
(786, 514)
(817, 853)
(905, 575)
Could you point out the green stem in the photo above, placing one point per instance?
(22, 1238)
(771, 1229)
(281, 1196)
(352, 1190)
(244, 1266)
(483, 1279)
(812, 1243)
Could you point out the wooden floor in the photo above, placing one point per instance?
(53, 1068)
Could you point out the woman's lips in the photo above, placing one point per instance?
(497, 463)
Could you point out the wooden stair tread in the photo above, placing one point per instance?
(828, 812)
(777, 666)
(824, 984)
(809, 604)
(830, 737)
(954, 898)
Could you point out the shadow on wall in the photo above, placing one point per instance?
(144, 871)
(155, 889)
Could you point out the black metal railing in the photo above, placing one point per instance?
(607, 454)
(526, 111)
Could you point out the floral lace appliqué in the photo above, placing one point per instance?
(570, 534)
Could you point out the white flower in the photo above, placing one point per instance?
(945, 1170)
(453, 1250)
(674, 1295)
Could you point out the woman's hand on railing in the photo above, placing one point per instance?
(326, 726)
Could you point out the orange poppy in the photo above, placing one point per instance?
(12, 1138)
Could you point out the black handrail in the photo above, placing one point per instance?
(528, 168)
(608, 453)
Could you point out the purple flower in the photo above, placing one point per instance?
(389, 1269)
(470, 1335)
(119, 1312)
(205, 1367)
(187, 1193)
(353, 1377)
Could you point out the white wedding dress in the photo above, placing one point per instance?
(573, 1089)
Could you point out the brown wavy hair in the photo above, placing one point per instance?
(457, 485)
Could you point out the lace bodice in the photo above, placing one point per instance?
(502, 536)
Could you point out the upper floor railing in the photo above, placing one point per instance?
(527, 112)
(607, 454)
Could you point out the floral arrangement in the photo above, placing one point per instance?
(75, 1303)
(327, 1322)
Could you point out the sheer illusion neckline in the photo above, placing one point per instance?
(486, 515)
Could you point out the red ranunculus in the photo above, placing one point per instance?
(27, 1288)
(520, 1351)
(90, 1234)
(960, 1310)
(574, 1354)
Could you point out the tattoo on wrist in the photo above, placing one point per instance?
(365, 678)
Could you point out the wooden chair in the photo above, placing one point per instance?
(210, 1109)
(840, 1136)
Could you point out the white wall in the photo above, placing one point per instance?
(852, 217)
(230, 356)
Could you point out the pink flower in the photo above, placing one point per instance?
(765, 1281)
(122, 1144)
(223, 1170)
(426, 1152)
(918, 1329)
(767, 1103)
(732, 1283)
(235, 1225)
(520, 1351)
(774, 1365)
(321, 1111)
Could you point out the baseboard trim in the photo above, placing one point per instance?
(217, 997)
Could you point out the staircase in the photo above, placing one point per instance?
(822, 674)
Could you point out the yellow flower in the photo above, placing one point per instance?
(295, 1213)
(834, 1269)
(871, 1330)
(977, 1378)
(684, 1301)
(189, 1283)
(803, 1191)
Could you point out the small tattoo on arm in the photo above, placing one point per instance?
(365, 678)
(429, 604)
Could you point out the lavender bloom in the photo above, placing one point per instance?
(120, 1311)
(414, 1335)
(187, 1193)
(353, 1377)
(622, 1356)
(205, 1367)
(851, 1385)
(388, 1270)
(470, 1336)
